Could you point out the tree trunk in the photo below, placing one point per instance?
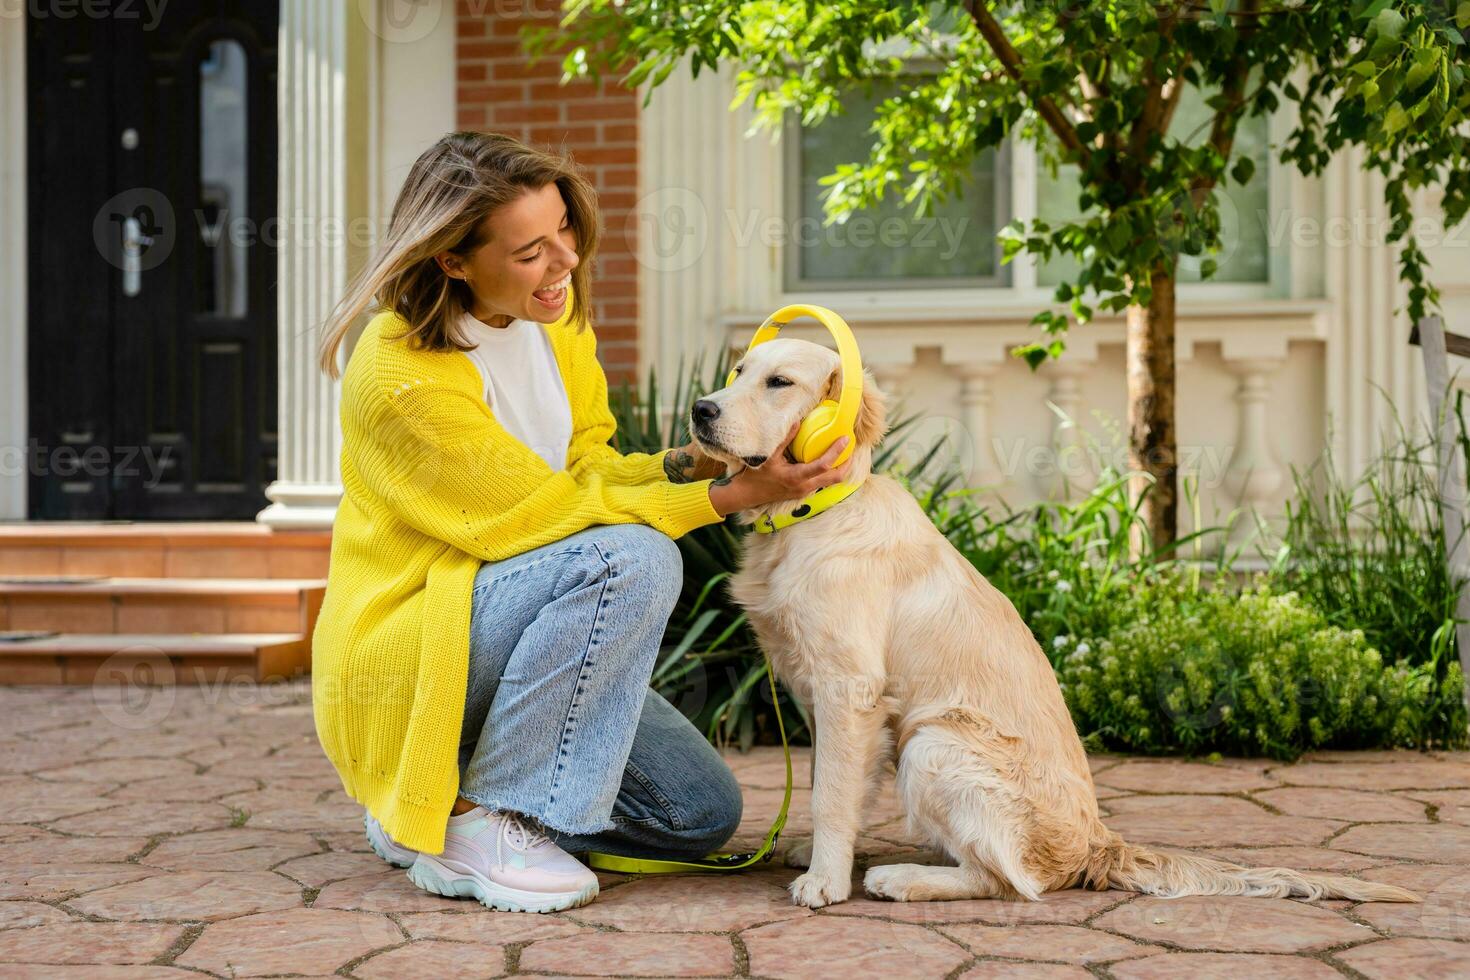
(1151, 439)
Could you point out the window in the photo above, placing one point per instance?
(1244, 256)
(886, 246)
(223, 179)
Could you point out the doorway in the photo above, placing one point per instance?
(151, 185)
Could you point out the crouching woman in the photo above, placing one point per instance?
(501, 577)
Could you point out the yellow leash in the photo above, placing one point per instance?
(717, 861)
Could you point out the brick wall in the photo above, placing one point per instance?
(498, 91)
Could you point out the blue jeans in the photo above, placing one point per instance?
(559, 722)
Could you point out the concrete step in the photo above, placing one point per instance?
(149, 660)
(159, 605)
(162, 550)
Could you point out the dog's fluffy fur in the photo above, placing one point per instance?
(901, 649)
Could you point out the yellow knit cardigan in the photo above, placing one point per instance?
(433, 486)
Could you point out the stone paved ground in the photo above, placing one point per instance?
(201, 831)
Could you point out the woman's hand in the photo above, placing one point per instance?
(779, 479)
(689, 464)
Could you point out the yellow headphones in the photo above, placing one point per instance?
(830, 420)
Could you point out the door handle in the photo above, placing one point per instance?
(134, 241)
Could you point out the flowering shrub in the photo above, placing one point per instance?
(1258, 672)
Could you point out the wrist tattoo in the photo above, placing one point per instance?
(679, 466)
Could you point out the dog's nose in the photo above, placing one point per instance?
(706, 410)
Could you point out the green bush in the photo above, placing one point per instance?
(1369, 553)
(1259, 672)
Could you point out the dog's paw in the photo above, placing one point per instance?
(816, 890)
(799, 853)
(889, 881)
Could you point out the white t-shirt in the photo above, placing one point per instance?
(523, 384)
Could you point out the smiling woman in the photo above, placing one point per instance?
(501, 576)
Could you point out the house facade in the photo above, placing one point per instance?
(184, 195)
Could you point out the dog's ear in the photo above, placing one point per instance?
(872, 417)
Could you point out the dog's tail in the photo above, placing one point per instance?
(1113, 863)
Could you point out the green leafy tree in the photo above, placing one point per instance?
(1095, 86)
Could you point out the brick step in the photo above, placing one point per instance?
(140, 659)
(162, 550)
(160, 605)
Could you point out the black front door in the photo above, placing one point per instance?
(152, 199)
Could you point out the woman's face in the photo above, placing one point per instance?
(522, 270)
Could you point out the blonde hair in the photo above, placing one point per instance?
(450, 189)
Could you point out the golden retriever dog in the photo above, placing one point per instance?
(904, 653)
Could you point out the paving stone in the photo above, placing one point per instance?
(23, 915)
(1071, 944)
(31, 800)
(317, 870)
(26, 755)
(1419, 774)
(273, 809)
(297, 940)
(1232, 924)
(765, 768)
(432, 960)
(1301, 858)
(46, 847)
(51, 881)
(621, 954)
(131, 819)
(1349, 805)
(1409, 959)
(1015, 970)
(1170, 776)
(255, 749)
(386, 891)
(1375, 756)
(195, 788)
(1444, 913)
(17, 833)
(233, 849)
(1203, 821)
(48, 971)
(1223, 966)
(477, 924)
(1416, 842)
(108, 772)
(835, 946)
(690, 903)
(1064, 907)
(191, 895)
(161, 745)
(1453, 805)
(87, 942)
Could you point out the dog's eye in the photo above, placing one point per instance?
(776, 381)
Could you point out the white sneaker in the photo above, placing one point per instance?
(384, 846)
(494, 857)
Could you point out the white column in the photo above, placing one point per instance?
(1072, 472)
(322, 187)
(1254, 475)
(975, 398)
(1371, 370)
(14, 420)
